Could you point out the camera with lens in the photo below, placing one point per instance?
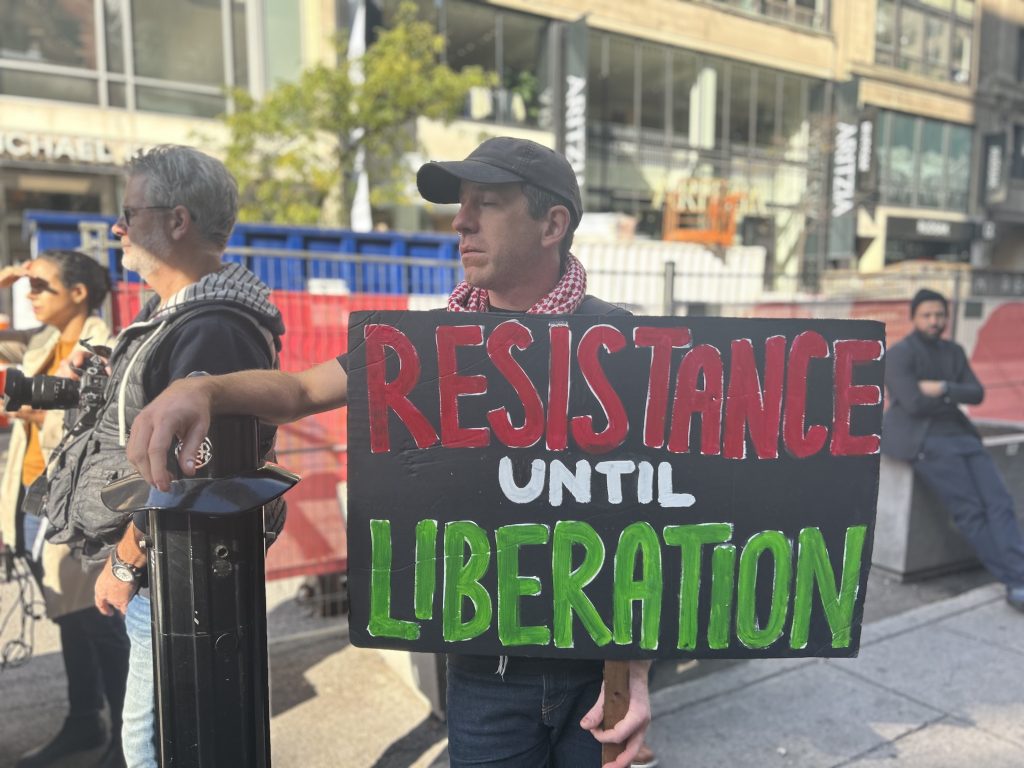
(58, 393)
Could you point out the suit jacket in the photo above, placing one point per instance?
(910, 411)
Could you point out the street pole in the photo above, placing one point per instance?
(206, 570)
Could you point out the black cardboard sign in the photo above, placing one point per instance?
(614, 487)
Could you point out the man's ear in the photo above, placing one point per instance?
(556, 225)
(181, 222)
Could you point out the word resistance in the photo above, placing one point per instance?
(724, 390)
(577, 556)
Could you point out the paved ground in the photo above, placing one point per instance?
(940, 682)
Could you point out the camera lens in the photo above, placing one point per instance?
(17, 390)
(41, 392)
(49, 392)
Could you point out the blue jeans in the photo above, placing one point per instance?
(964, 477)
(521, 721)
(139, 703)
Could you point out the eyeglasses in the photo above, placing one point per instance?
(39, 285)
(130, 210)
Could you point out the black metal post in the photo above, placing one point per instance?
(206, 569)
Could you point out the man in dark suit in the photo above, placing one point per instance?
(928, 378)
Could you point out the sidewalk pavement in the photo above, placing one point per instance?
(939, 686)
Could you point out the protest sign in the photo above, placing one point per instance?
(612, 487)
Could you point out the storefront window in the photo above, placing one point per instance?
(48, 32)
(171, 45)
(793, 124)
(930, 184)
(524, 47)
(766, 103)
(512, 45)
(684, 82)
(739, 105)
(926, 37)
(959, 173)
(621, 79)
(46, 86)
(653, 62)
(923, 163)
(283, 61)
(113, 21)
(898, 176)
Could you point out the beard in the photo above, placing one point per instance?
(140, 256)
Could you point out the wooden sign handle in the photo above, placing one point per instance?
(616, 703)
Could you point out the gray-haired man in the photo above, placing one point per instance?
(179, 208)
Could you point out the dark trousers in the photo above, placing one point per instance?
(964, 477)
(521, 720)
(95, 649)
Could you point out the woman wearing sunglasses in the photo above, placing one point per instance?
(65, 289)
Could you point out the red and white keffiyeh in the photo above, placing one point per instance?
(564, 299)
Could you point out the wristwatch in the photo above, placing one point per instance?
(123, 571)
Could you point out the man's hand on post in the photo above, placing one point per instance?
(112, 593)
(630, 729)
(182, 411)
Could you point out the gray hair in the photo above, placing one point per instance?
(179, 175)
(539, 202)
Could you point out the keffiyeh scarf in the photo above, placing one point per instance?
(564, 298)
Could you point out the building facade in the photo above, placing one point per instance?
(835, 133)
(85, 84)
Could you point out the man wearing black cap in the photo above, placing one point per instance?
(519, 204)
(928, 378)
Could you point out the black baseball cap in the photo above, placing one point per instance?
(504, 160)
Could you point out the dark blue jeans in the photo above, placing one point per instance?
(964, 477)
(521, 721)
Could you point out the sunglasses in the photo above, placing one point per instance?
(128, 211)
(39, 285)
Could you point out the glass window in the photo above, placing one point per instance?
(898, 184)
(471, 36)
(48, 32)
(621, 81)
(524, 46)
(240, 49)
(739, 105)
(282, 43)
(472, 41)
(885, 23)
(178, 42)
(766, 103)
(179, 102)
(936, 45)
(652, 84)
(959, 175)
(930, 41)
(1017, 167)
(964, 9)
(39, 86)
(911, 38)
(930, 182)
(960, 66)
(684, 81)
(113, 22)
(794, 129)
(117, 95)
(1020, 54)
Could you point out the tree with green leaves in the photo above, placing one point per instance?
(292, 149)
